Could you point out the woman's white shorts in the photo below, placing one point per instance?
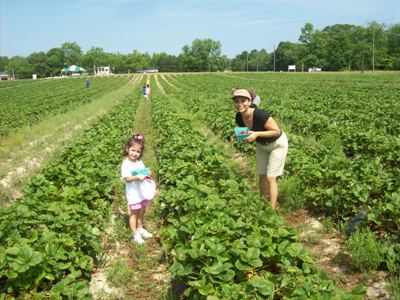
(271, 157)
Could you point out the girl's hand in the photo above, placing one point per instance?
(252, 137)
(140, 177)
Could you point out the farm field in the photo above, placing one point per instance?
(215, 236)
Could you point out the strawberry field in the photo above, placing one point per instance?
(220, 239)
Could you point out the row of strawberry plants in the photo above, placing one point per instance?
(50, 239)
(225, 241)
(27, 104)
(329, 182)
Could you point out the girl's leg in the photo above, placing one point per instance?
(133, 220)
(142, 230)
(141, 217)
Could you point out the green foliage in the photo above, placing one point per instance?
(33, 101)
(365, 251)
(290, 193)
(202, 55)
(225, 241)
(50, 239)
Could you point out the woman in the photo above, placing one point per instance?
(271, 143)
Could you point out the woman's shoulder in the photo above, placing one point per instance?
(260, 113)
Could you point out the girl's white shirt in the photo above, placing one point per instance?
(132, 189)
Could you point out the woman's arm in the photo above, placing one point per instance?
(271, 130)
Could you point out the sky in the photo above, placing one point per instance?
(155, 26)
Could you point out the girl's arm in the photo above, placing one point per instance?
(271, 130)
(133, 178)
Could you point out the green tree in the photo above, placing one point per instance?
(393, 45)
(39, 64)
(307, 33)
(19, 66)
(377, 46)
(343, 45)
(308, 48)
(72, 53)
(55, 61)
(116, 60)
(240, 62)
(203, 55)
(95, 56)
(258, 60)
(3, 62)
(287, 54)
(136, 61)
(166, 63)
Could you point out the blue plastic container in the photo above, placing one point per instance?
(145, 172)
(241, 133)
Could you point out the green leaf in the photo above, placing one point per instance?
(214, 269)
(241, 266)
(227, 276)
(11, 274)
(263, 285)
(64, 266)
(26, 256)
(49, 276)
(177, 269)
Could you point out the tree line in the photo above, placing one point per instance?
(335, 48)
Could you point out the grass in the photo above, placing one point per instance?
(119, 274)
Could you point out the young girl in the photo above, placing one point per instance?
(137, 203)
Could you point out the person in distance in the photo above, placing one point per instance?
(271, 142)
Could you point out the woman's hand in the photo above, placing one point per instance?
(252, 137)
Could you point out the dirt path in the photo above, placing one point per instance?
(24, 154)
(168, 82)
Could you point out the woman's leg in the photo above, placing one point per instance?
(263, 183)
(272, 190)
(269, 189)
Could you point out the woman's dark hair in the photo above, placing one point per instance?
(135, 139)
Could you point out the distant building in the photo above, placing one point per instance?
(100, 71)
(314, 69)
(5, 76)
(148, 70)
